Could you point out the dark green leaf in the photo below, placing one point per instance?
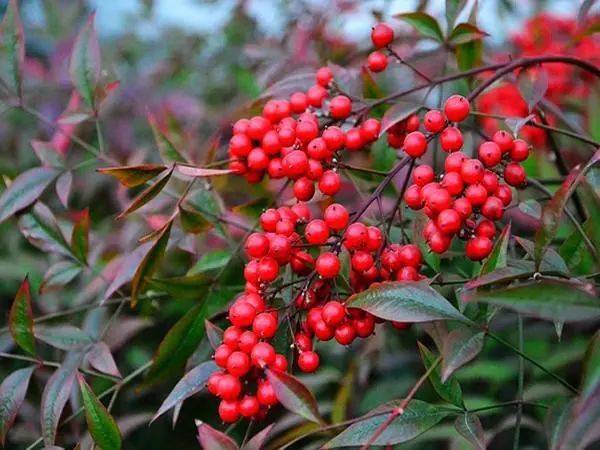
(211, 439)
(149, 264)
(566, 301)
(80, 236)
(60, 274)
(193, 221)
(101, 359)
(84, 67)
(424, 23)
(64, 337)
(213, 260)
(497, 258)
(13, 47)
(551, 261)
(556, 421)
(405, 302)
(469, 426)
(20, 319)
(39, 227)
(101, 425)
(259, 439)
(12, 394)
(187, 287)
(132, 176)
(460, 346)
(466, 32)
(591, 366)
(293, 395)
(191, 383)
(24, 190)
(417, 418)
(469, 55)
(147, 194)
(167, 150)
(449, 390)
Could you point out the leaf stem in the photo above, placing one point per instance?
(520, 378)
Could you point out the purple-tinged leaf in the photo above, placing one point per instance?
(290, 84)
(449, 390)
(55, 396)
(517, 270)
(132, 176)
(13, 46)
(469, 426)
(423, 23)
(591, 366)
(24, 190)
(211, 439)
(48, 155)
(20, 318)
(193, 221)
(515, 124)
(101, 425)
(191, 171)
(126, 269)
(397, 113)
(39, 227)
(191, 383)
(551, 261)
(64, 337)
(63, 187)
(80, 236)
(84, 67)
(466, 32)
(416, 419)
(149, 264)
(214, 334)
(12, 394)
(101, 359)
(405, 302)
(168, 151)
(259, 439)
(498, 256)
(556, 421)
(293, 395)
(60, 274)
(581, 426)
(73, 117)
(147, 194)
(460, 346)
(533, 84)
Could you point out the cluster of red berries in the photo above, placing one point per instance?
(382, 35)
(469, 196)
(288, 141)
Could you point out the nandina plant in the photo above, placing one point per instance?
(418, 248)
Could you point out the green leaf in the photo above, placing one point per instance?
(417, 418)
(293, 395)
(167, 150)
(553, 210)
(424, 23)
(101, 359)
(405, 302)
(465, 32)
(193, 221)
(213, 260)
(147, 194)
(448, 390)
(259, 439)
(80, 236)
(591, 366)
(64, 337)
(211, 439)
(84, 67)
(132, 176)
(556, 421)
(60, 274)
(469, 55)
(469, 426)
(24, 190)
(40, 228)
(192, 287)
(191, 383)
(560, 300)
(12, 394)
(12, 46)
(497, 258)
(101, 425)
(179, 344)
(20, 319)
(149, 264)
(460, 346)
(551, 261)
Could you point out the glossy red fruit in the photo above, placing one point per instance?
(304, 189)
(365, 326)
(478, 248)
(327, 265)
(415, 144)
(463, 207)
(438, 242)
(302, 211)
(316, 232)
(345, 334)
(317, 149)
(302, 262)
(410, 255)
(308, 362)
(423, 174)
(280, 363)
(213, 383)
(262, 354)
(302, 342)
(241, 126)
(238, 364)
(264, 325)
(504, 140)
(476, 194)
(333, 313)
(222, 354)
(434, 121)
(490, 154)
(295, 164)
(374, 238)
(323, 332)
(307, 130)
(356, 236)
(315, 95)
(504, 193)
(324, 76)
(453, 183)
(407, 273)
(354, 140)
(231, 336)
(268, 269)
(229, 411)
(490, 181)
(334, 137)
(249, 406)
(456, 108)
(472, 171)
(382, 35)
(240, 145)
(486, 228)
(336, 217)
(439, 200)
(257, 245)
(247, 341)
(265, 394)
(454, 162)
(241, 314)
(369, 130)
(514, 174)
(275, 169)
(493, 208)
(449, 221)
(269, 219)
(413, 198)
(229, 387)
(451, 139)
(330, 183)
(298, 102)
(258, 127)
(519, 151)
(340, 107)
(377, 61)
(361, 261)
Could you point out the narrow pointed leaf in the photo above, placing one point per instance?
(20, 319)
(417, 418)
(84, 67)
(147, 194)
(423, 23)
(591, 366)
(460, 346)
(24, 190)
(498, 257)
(149, 264)
(101, 359)
(397, 113)
(63, 187)
(405, 302)
(259, 439)
(466, 32)
(202, 172)
(556, 421)
(533, 84)
(80, 236)
(127, 268)
(60, 274)
(48, 155)
(191, 383)
(167, 150)
(12, 394)
(469, 426)
(193, 221)
(39, 227)
(211, 439)
(101, 425)
(293, 395)
(13, 47)
(132, 176)
(448, 390)
(192, 287)
(214, 334)
(64, 337)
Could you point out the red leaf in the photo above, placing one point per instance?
(211, 439)
(20, 319)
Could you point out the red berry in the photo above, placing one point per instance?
(504, 193)
(472, 171)
(302, 342)
(412, 123)
(275, 169)
(504, 140)
(270, 142)
(316, 232)
(493, 208)
(340, 107)
(415, 144)
(308, 362)
(439, 200)
(229, 411)
(514, 174)
(407, 274)
(453, 183)
(324, 76)
(257, 159)
(410, 255)
(374, 238)
(451, 139)
(304, 189)
(336, 216)
(354, 140)
(249, 406)
(369, 130)
(257, 127)
(302, 263)
(476, 194)
(490, 181)
(285, 227)
(438, 242)
(413, 197)
(333, 313)
(229, 387)
(213, 383)
(463, 207)
(240, 145)
(520, 150)
(247, 341)
(382, 35)
(330, 183)
(434, 121)
(454, 162)
(265, 394)
(390, 258)
(356, 236)
(377, 62)
(302, 211)
(307, 130)
(269, 219)
(264, 325)
(345, 334)
(334, 137)
(241, 126)
(364, 327)
(295, 164)
(456, 108)
(449, 221)
(231, 336)
(490, 153)
(423, 174)
(486, 228)
(257, 245)
(238, 364)
(262, 354)
(361, 261)
(315, 95)
(280, 363)
(298, 102)
(268, 269)
(478, 248)
(327, 265)
(322, 331)
(241, 314)
(222, 354)
(251, 272)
